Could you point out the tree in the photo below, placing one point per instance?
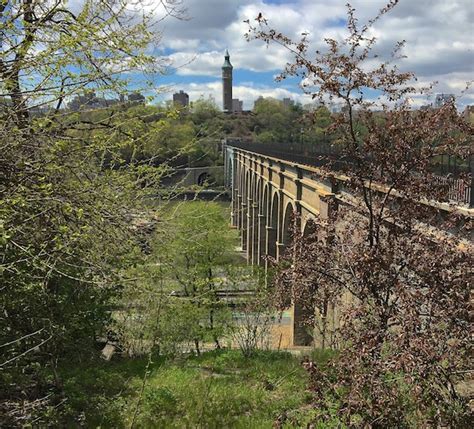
(65, 214)
(276, 122)
(403, 335)
(204, 110)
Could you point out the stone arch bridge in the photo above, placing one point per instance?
(267, 188)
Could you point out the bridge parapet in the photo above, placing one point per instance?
(460, 190)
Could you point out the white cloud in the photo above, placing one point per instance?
(197, 64)
(438, 34)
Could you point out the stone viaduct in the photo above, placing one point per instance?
(266, 191)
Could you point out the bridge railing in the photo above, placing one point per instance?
(453, 174)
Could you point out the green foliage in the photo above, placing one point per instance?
(197, 249)
(203, 111)
(173, 305)
(198, 239)
(276, 122)
(216, 389)
(69, 191)
(99, 393)
(155, 135)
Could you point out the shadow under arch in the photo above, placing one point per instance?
(303, 311)
(309, 228)
(289, 218)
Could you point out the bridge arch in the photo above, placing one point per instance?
(268, 192)
(287, 222)
(257, 219)
(205, 178)
(251, 210)
(231, 174)
(244, 205)
(308, 227)
(272, 229)
(263, 222)
(303, 311)
(240, 193)
(234, 175)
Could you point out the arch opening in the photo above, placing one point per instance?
(288, 226)
(309, 229)
(262, 224)
(205, 179)
(251, 218)
(302, 312)
(272, 229)
(257, 201)
(244, 208)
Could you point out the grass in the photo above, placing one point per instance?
(219, 389)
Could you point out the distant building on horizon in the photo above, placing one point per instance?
(227, 84)
(136, 97)
(442, 99)
(89, 100)
(181, 98)
(237, 105)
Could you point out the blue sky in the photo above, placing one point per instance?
(439, 36)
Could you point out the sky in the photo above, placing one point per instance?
(439, 47)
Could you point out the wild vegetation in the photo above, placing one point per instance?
(73, 228)
(218, 388)
(173, 305)
(88, 260)
(404, 334)
(65, 229)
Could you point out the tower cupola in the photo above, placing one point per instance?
(227, 83)
(227, 63)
